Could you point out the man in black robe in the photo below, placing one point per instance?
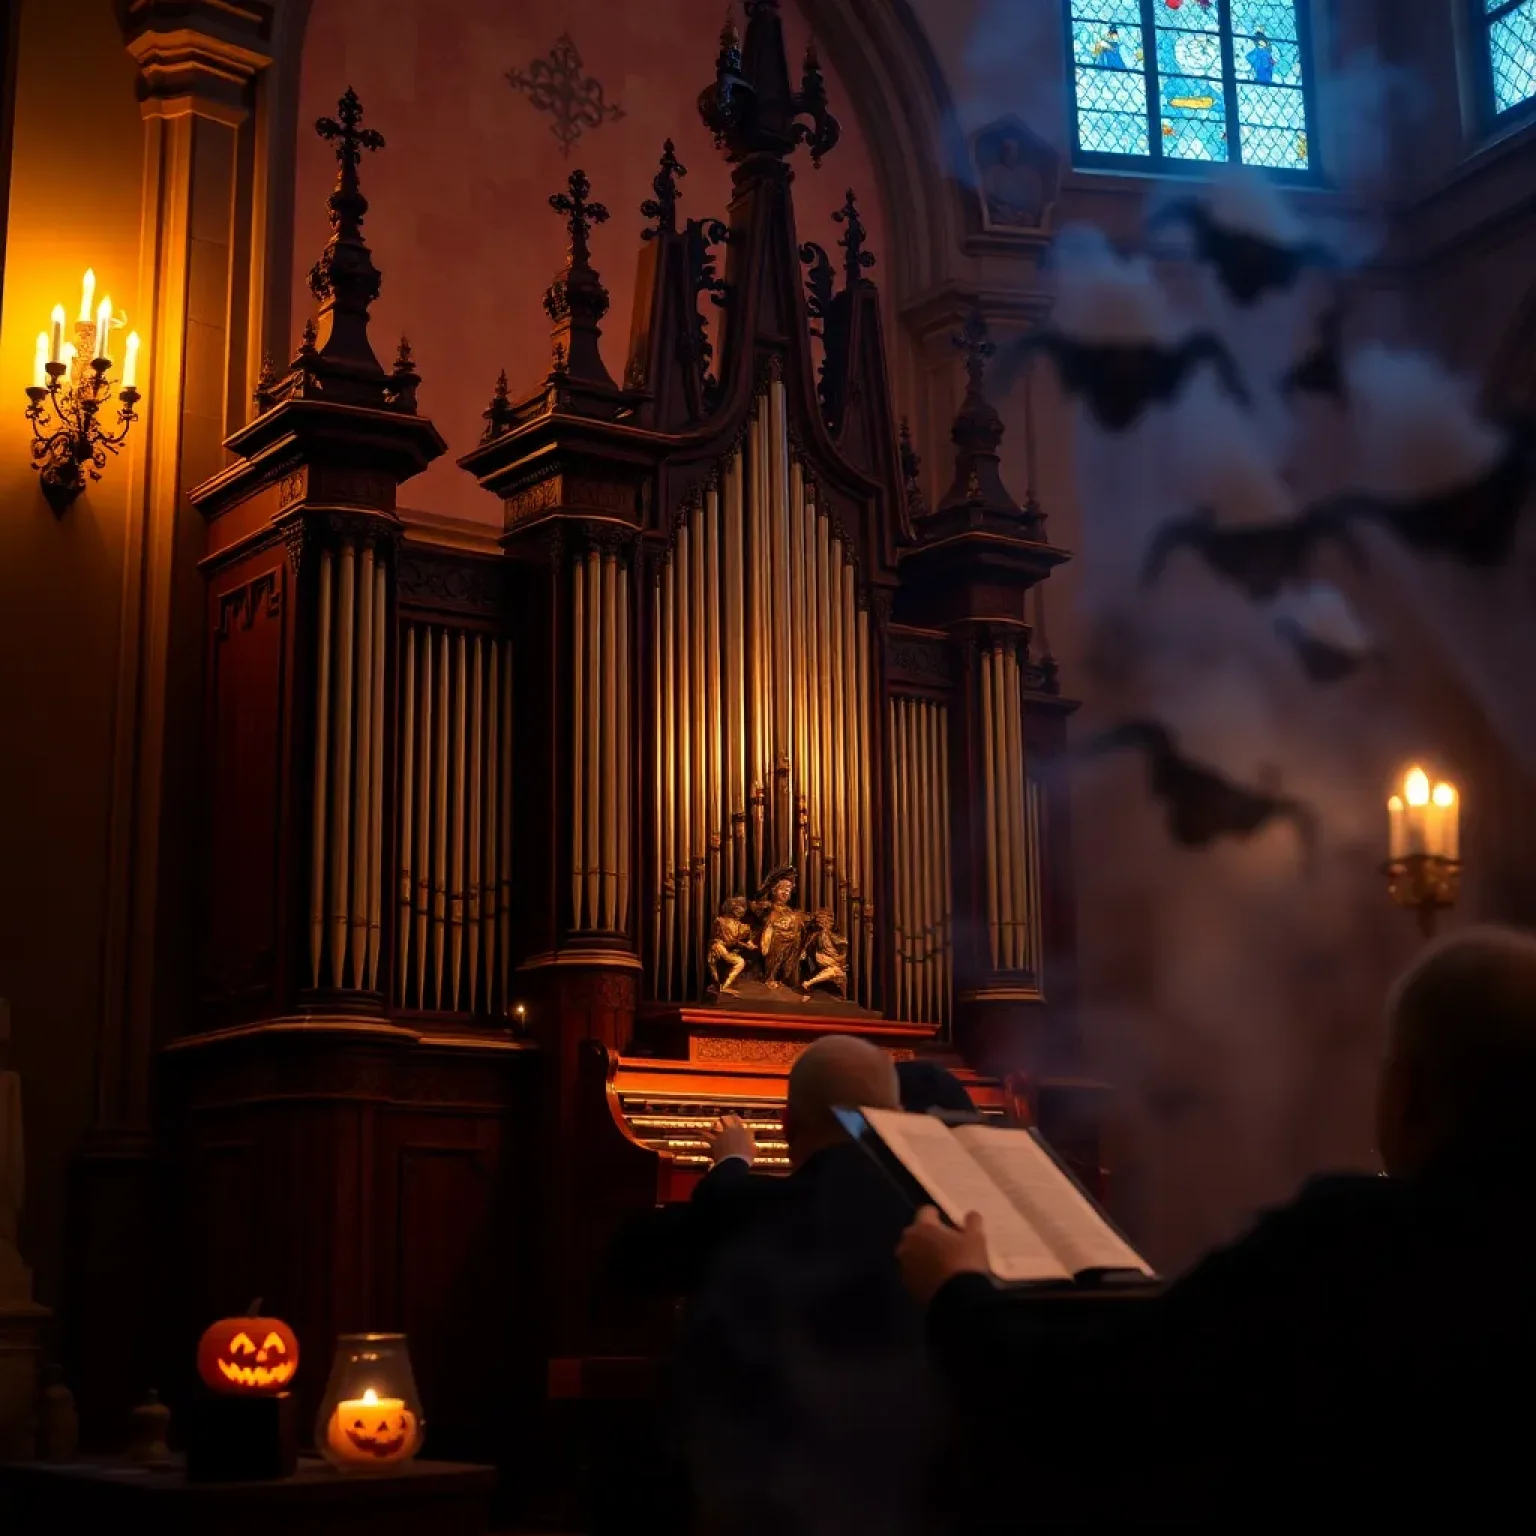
(1365, 1351)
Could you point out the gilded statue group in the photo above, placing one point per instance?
(787, 947)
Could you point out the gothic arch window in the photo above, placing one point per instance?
(1505, 33)
(1176, 86)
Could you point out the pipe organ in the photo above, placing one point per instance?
(761, 682)
(546, 846)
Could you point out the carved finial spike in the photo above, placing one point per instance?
(730, 33)
(977, 346)
(403, 359)
(267, 378)
(663, 207)
(558, 365)
(310, 334)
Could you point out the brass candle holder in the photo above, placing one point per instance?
(70, 386)
(1424, 884)
(1423, 867)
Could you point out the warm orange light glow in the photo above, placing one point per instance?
(1416, 787)
(131, 361)
(87, 295)
(40, 362)
(104, 327)
(56, 340)
(1444, 795)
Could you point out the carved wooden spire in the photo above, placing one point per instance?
(751, 107)
(663, 207)
(577, 300)
(977, 432)
(345, 280)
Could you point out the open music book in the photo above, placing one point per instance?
(1041, 1226)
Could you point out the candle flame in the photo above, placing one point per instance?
(1444, 795)
(58, 314)
(1416, 787)
(1395, 803)
(370, 1398)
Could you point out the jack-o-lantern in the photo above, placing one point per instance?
(248, 1356)
(371, 1430)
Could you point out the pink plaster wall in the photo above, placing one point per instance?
(460, 223)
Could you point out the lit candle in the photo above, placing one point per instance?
(67, 357)
(87, 295)
(369, 1430)
(40, 362)
(56, 345)
(1416, 793)
(104, 327)
(1449, 829)
(131, 360)
(1397, 832)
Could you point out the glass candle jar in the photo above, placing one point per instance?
(370, 1417)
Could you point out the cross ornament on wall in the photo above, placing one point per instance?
(559, 85)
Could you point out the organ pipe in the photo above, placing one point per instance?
(610, 772)
(341, 779)
(488, 889)
(424, 818)
(622, 759)
(407, 807)
(590, 789)
(322, 750)
(459, 768)
(579, 725)
(362, 786)
(376, 785)
(474, 768)
(440, 821)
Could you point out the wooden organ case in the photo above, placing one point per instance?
(473, 809)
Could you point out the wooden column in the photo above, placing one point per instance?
(977, 555)
(198, 66)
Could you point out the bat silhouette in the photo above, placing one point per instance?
(1473, 523)
(1120, 380)
(1320, 370)
(1247, 265)
(1323, 661)
(1203, 806)
(1261, 558)
(1324, 634)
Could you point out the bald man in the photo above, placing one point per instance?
(810, 1401)
(1364, 1351)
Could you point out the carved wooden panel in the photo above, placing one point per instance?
(918, 661)
(247, 666)
(468, 586)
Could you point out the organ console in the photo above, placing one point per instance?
(720, 652)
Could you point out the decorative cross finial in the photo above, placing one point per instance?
(350, 140)
(580, 215)
(977, 346)
(403, 379)
(856, 260)
(663, 207)
(345, 280)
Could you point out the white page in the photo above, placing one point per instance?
(1023, 1170)
(958, 1186)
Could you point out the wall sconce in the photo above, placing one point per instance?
(1423, 867)
(69, 386)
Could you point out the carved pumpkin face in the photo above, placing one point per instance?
(372, 1429)
(248, 1356)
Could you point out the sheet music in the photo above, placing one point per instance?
(1023, 1170)
(943, 1166)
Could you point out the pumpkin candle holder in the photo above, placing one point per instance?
(370, 1417)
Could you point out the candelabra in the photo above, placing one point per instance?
(1423, 867)
(70, 385)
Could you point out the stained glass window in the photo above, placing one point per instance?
(1177, 84)
(1508, 32)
